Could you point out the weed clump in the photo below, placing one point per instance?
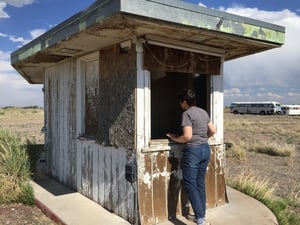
(261, 190)
(236, 151)
(14, 170)
(274, 149)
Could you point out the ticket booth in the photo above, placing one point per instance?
(111, 75)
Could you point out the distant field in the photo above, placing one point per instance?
(247, 133)
(26, 123)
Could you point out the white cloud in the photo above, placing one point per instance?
(18, 3)
(3, 35)
(18, 40)
(36, 33)
(4, 55)
(270, 75)
(269, 95)
(292, 94)
(14, 90)
(33, 34)
(15, 3)
(3, 14)
(201, 4)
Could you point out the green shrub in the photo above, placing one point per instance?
(14, 170)
(27, 195)
(13, 156)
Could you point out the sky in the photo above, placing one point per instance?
(273, 75)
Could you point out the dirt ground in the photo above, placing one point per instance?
(19, 214)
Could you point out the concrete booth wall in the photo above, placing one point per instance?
(111, 76)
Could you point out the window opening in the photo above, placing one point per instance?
(91, 97)
(88, 95)
(165, 108)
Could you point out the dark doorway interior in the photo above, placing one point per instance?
(165, 108)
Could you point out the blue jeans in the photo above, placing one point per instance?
(194, 165)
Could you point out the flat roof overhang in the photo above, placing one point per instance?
(108, 22)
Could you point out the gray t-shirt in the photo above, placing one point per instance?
(198, 119)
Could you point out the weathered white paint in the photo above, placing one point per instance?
(82, 67)
(96, 171)
(217, 106)
(60, 120)
(103, 177)
(143, 102)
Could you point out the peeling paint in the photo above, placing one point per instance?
(147, 179)
(162, 176)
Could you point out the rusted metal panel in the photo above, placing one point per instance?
(221, 196)
(117, 89)
(159, 58)
(145, 194)
(161, 192)
(177, 198)
(210, 181)
(160, 184)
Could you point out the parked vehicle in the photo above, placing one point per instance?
(290, 109)
(263, 108)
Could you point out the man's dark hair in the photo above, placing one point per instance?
(189, 96)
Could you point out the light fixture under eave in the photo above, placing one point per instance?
(125, 46)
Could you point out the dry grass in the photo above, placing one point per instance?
(25, 123)
(273, 148)
(266, 146)
(251, 185)
(252, 128)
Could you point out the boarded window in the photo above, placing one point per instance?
(91, 97)
(88, 95)
(160, 58)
